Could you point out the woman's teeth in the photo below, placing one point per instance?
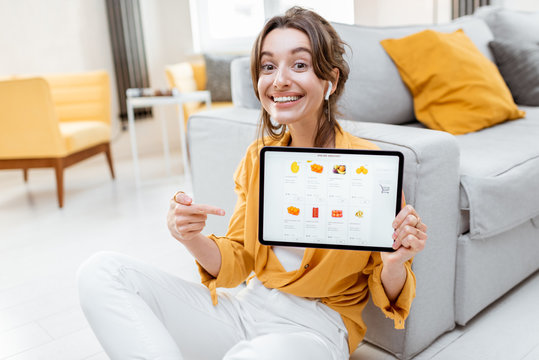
(285, 99)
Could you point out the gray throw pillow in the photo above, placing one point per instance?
(218, 76)
(519, 65)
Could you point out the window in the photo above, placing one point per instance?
(231, 26)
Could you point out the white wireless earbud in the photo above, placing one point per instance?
(329, 90)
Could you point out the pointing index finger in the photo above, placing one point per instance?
(207, 209)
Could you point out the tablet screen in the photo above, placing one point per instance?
(329, 198)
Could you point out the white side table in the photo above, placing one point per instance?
(136, 98)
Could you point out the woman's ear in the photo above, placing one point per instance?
(335, 80)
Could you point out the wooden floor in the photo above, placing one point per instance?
(41, 247)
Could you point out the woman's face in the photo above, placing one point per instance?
(289, 89)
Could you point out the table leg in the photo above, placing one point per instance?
(132, 134)
(185, 155)
(166, 148)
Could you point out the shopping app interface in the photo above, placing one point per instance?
(329, 198)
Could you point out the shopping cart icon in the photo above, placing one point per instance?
(385, 189)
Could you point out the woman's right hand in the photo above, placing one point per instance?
(186, 220)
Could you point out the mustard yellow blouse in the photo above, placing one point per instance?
(341, 279)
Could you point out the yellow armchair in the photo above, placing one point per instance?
(54, 121)
(191, 76)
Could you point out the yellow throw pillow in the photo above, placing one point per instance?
(455, 87)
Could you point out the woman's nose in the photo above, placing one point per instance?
(282, 79)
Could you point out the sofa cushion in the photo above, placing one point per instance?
(218, 76)
(499, 175)
(374, 90)
(511, 25)
(455, 87)
(79, 135)
(519, 65)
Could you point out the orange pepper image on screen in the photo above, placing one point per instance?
(317, 168)
(336, 213)
(292, 210)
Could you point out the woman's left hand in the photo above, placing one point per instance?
(409, 237)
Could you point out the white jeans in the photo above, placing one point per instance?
(140, 312)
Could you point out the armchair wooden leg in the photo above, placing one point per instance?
(109, 160)
(25, 174)
(59, 170)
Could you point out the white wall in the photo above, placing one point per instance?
(54, 36)
(526, 5)
(167, 36)
(398, 12)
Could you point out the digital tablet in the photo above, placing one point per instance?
(329, 198)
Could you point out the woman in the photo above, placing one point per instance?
(300, 303)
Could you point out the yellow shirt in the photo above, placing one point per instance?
(341, 279)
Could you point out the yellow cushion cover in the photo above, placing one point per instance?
(80, 135)
(454, 86)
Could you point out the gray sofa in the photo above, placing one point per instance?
(478, 193)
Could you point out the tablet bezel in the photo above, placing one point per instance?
(266, 149)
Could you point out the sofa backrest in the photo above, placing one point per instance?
(374, 91)
(243, 94)
(81, 96)
(28, 122)
(512, 25)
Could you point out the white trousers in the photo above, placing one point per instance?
(140, 312)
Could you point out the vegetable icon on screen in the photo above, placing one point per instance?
(317, 168)
(336, 213)
(292, 210)
(294, 167)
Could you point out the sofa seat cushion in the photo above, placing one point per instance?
(193, 107)
(499, 172)
(83, 134)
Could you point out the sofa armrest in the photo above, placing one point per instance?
(431, 185)
(218, 140)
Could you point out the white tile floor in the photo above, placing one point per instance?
(41, 247)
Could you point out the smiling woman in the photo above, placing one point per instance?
(302, 303)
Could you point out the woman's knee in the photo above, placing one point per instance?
(96, 272)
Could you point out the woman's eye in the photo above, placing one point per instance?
(300, 66)
(267, 67)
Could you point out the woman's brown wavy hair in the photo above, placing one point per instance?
(327, 54)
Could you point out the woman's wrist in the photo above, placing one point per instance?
(393, 277)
